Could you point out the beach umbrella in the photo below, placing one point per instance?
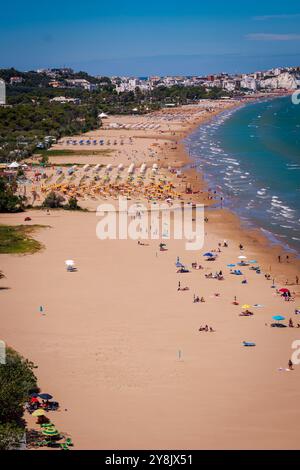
(34, 394)
(39, 412)
(178, 264)
(45, 396)
(284, 290)
(50, 431)
(278, 317)
(69, 262)
(242, 257)
(34, 400)
(210, 255)
(253, 261)
(246, 306)
(231, 265)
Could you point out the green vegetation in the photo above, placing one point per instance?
(53, 200)
(17, 381)
(32, 116)
(9, 201)
(16, 239)
(72, 205)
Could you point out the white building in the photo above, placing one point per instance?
(249, 83)
(2, 92)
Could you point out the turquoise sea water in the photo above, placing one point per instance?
(252, 157)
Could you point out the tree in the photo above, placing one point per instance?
(16, 381)
(53, 200)
(73, 204)
(9, 201)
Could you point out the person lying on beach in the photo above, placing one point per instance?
(207, 329)
(202, 299)
(247, 313)
(209, 276)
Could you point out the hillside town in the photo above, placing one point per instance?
(280, 78)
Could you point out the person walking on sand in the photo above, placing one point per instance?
(179, 286)
(297, 280)
(41, 309)
(290, 365)
(279, 259)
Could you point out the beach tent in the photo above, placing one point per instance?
(143, 168)
(14, 165)
(131, 169)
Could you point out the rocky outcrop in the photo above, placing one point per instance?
(285, 80)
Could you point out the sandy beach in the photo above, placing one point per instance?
(119, 346)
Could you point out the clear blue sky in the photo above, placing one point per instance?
(115, 37)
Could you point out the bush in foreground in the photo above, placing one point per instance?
(17, 380)
(53, 201)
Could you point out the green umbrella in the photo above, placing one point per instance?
(50, 431)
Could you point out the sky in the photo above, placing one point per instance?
(141, 38)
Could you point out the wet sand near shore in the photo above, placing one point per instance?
(107, 347)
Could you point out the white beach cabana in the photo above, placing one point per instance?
(13, 165)
(131, 169)
(143, 168)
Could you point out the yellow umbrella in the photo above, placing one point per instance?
(246, 306)
(38, 412)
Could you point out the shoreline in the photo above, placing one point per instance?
(257, 235)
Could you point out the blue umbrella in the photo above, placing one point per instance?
(278, 318)
(45, 396)
(253, 261)
(231, 265)
(209, 254)
(178, 264)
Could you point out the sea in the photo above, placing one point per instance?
(251, 157)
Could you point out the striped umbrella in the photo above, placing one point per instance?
(50, 431)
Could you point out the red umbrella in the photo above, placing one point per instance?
(34, 400)
(284, 290)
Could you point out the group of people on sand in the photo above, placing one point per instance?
(198, 299)
(207, 328)
(218, 275)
